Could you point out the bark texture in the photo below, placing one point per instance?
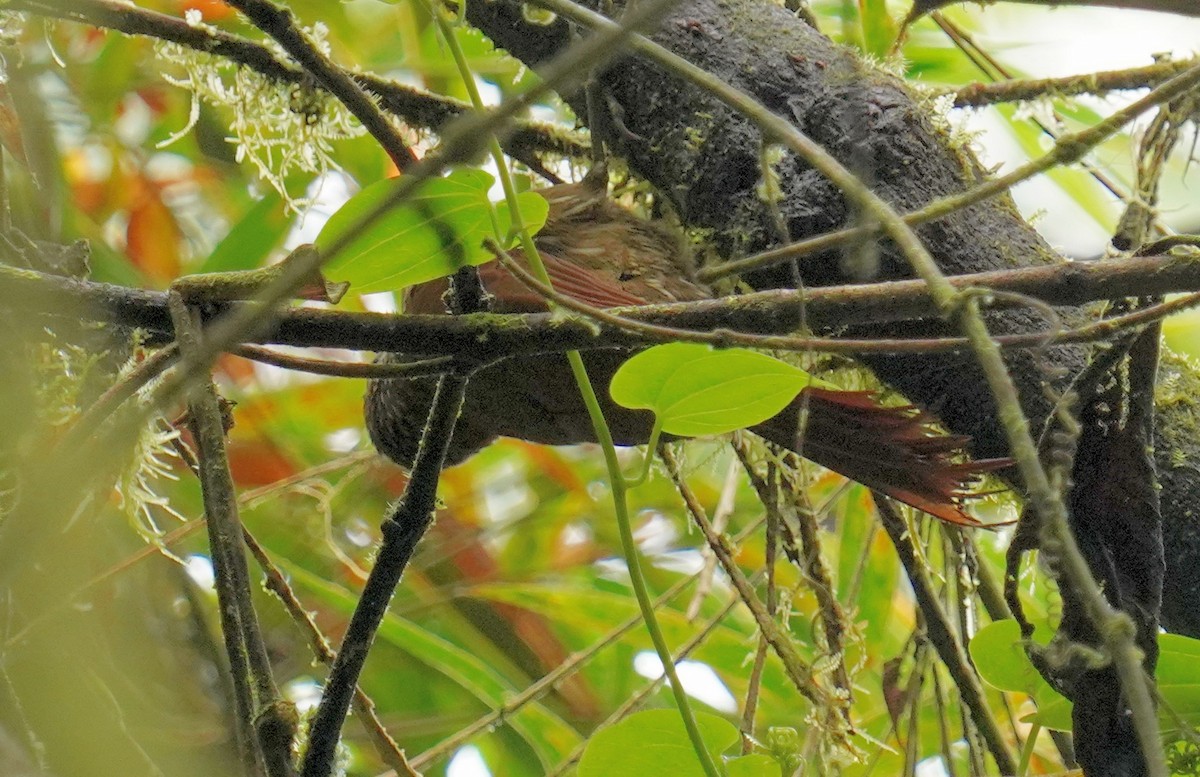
(706, 159)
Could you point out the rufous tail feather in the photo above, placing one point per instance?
(894, 450)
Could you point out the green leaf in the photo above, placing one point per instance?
(1182, 332)
(1002, 663)
(441, 228)
(1178, 680)
(1053, 710)
(654, 742)
(536, 724)
(695, 390)
(879, 29)
(1000, 658)
(251, 239)
(534, 209)
(753, 765)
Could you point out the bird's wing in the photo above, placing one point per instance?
(513, 296)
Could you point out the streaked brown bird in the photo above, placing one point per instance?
(602, 254)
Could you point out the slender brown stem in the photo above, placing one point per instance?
(944, 640)
(260, 707)
(277, 583)
(800, 673)
(402, 530)
(979, 94)
(434, 366)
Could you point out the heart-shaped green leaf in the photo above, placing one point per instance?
(1178, 680)
(696, 390)
(439, 229)
(1053, 710)
(1002, 663)
(654, 742)
(753, 765)
(997, 652)
(534, 209)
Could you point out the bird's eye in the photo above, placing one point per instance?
(626, 275)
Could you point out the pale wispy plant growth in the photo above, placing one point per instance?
(283, 130)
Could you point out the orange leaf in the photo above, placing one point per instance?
(155, 99)
(240, 371)
(153, 237)
(211, 10)
(89, 191)
(10, 127)
(550, 463)
(257, 462)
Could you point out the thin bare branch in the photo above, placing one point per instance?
(717, 320)
(978, 94)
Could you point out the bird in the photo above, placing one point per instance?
(600, 253)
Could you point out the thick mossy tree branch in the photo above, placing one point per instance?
(711, 169)
(844, 111)
(709, 166)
